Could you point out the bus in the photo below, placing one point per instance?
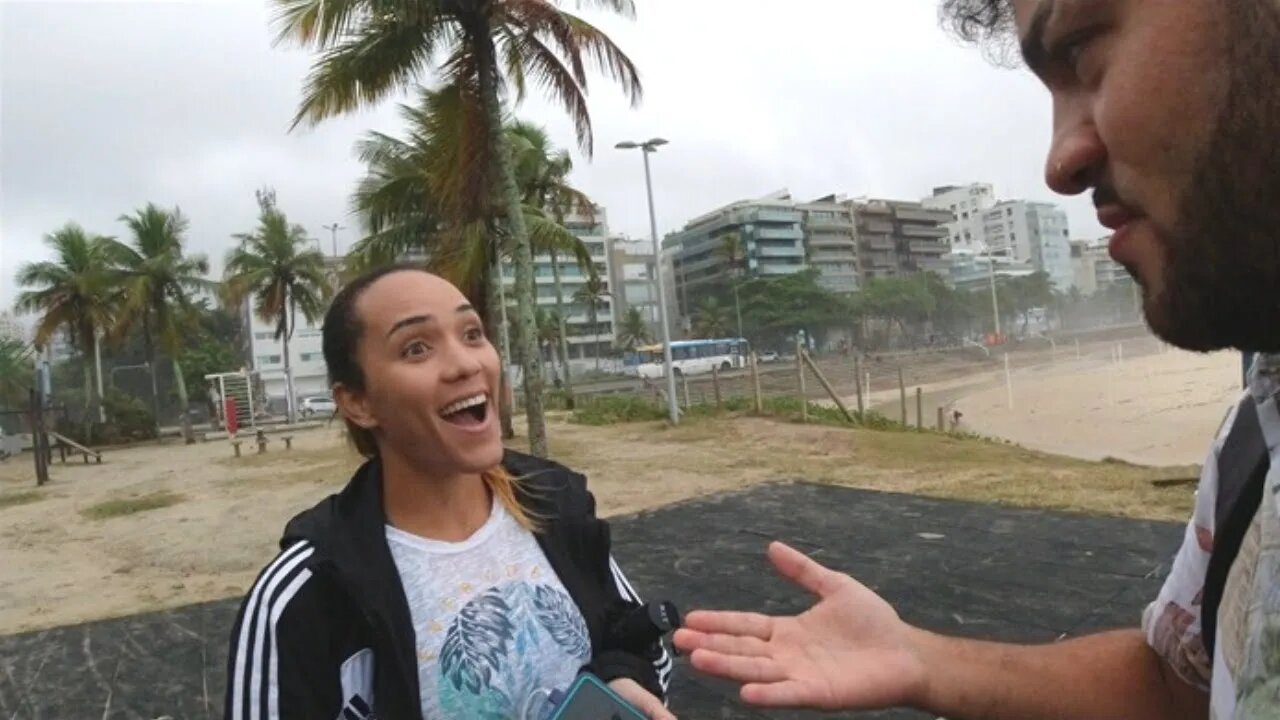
(689, 357)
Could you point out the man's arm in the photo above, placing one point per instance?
(1098, 677)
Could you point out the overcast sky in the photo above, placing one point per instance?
(105, 106)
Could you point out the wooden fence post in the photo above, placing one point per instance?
(685, 383)
(755, 382)
(827, 386)
(715, 382)
(857, 380)
(942, 419)
(902, 395)
(919, 408)
(804, 398)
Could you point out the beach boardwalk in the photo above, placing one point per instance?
(964, 568)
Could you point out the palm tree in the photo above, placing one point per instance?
(712, 320)
(74, 293)
(634, 331)
(543, 175)
(593, 293)
(549, 336)
(159, 282)
(732, 251)
(491, 49)
(278, 268)
(17, 371)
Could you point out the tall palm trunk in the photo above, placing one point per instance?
(288, 367)
(562, 344)
(89, 404)
(152, 359)
(523, 260)
(497, 319)
(184, 403)
(594, 319)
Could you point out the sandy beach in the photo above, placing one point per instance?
(1159, 408)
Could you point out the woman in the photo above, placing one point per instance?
(449, 579)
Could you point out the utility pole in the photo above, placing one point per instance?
(333, 232)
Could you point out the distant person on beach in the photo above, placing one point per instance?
(449, 579)
(1169, 112)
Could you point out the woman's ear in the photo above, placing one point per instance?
(354, 406)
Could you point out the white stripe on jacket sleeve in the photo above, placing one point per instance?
(664, 664)
(247, 672)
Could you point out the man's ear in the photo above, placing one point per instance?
(354, 406)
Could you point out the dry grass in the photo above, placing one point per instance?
(121, 507)
(13, 499)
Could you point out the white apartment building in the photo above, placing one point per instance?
(585, 342)
(632, 281)
(1093, 267)
(1023, 231)
(966, 203)
(13, 328)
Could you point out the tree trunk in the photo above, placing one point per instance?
(498, 325)
(89, 403)
(523, 255)
(184, 403)
(562, 344)
(595, 330)
(288, 367)
(151, 358)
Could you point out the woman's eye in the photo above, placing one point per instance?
(474, 335)
(417, 348)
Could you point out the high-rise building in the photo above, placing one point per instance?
(900, 237)
(12, 328)
(973, 271)
(632, 281)
(1028, 232)
(585, 342)
(832, 242)
(1093, 268)
(966, 204)
(767, 234)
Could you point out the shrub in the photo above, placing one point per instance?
(614, 409)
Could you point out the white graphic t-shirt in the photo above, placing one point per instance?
(495, 628)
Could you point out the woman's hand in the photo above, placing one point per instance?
(641, 699)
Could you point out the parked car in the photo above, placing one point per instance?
(769, 356)
(318, 405)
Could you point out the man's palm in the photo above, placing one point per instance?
(848, 651)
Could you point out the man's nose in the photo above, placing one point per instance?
(1077, 155)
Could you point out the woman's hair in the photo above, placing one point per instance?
(342, 331)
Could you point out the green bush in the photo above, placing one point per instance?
(130, 417)
(615, 409)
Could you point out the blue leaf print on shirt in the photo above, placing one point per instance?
(476, 642)
(560, 618)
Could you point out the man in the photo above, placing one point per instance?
(1169, 112)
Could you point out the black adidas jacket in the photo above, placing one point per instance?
(325, 630)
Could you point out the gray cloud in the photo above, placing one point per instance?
(105, 106)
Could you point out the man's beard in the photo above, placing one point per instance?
(1221, 284)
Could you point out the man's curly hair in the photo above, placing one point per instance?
(988, 23)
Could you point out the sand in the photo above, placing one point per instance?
(1159, 408)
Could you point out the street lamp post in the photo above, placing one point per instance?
(647, 147)
(995, 304)
(333, 233)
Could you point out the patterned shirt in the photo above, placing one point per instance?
(1243, 676)
(496, 631)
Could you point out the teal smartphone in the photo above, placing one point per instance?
(590, 699)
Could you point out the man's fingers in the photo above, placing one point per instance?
(689, 640)
(785, 694)
(800, 569)
(723, 622)
(737, 668)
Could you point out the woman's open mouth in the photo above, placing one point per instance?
(470, 412)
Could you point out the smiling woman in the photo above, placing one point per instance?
(450, 578)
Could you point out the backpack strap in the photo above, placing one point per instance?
(1242, 472)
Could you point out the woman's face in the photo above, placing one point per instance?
(431, 376)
